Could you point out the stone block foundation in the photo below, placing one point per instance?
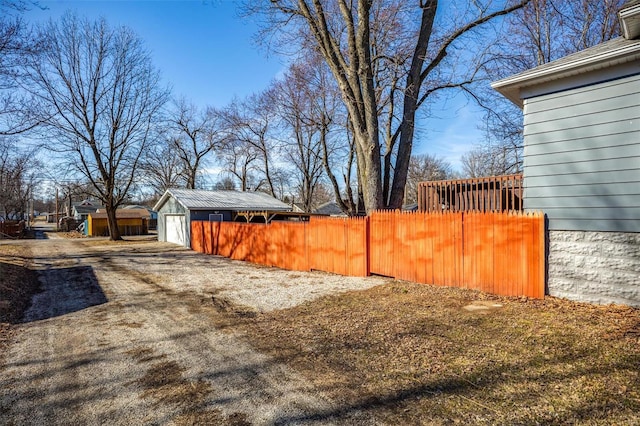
(596, 267)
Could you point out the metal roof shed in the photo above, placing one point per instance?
(178, 207)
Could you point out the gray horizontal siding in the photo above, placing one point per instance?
(586, 166)
(598, 225)
(551, 181)
(614, 141)
(581, 121)
(626, 128)
(594, 213)
(629, 100)
(616, 92)
(592, 203)
(582, 190)
(582, 157)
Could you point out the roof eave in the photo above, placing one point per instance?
(511, 87)
(161, 201)
(164, 199)
(628, 22)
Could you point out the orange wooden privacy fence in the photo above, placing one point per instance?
(335, 245)
(501, 253)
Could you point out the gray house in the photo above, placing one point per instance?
(582, 164)
(80, 211)
(178, 207)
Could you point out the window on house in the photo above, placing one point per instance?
(217, 217)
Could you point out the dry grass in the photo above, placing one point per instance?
(71, 234)
(411, 354)
(105, 241)
(18, 283)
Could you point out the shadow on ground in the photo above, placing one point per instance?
(17, 286)
(65, 290)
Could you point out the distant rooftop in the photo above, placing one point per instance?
(331, 208)
(122, 214)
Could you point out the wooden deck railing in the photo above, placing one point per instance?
(486, 194)
(500, 253)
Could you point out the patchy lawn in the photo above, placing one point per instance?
(413, 354)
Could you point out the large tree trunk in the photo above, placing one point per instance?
(410, 105)
(112, 222)
(370, 174)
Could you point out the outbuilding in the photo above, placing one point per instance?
(582, 164)
(130, 222)
(178, 207)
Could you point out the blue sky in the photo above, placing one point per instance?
(206, 52)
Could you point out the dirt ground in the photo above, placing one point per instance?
(142, 332)
(122, 333)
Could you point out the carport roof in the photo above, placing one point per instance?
(196, 199)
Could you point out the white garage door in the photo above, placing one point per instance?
(174, 229)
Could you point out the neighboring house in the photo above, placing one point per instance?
(80, 211)
(330, 208)
(582, 164)
(130, 222)
(178, 207)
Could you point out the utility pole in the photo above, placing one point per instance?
(56, 209)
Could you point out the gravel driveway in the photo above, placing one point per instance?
(122, 334)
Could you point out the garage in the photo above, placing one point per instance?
(178, 207)
(175, 229)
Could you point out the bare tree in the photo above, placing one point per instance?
(542, 31)
(491, 160)
(17, 179)
(96, 94)
(239, 160)
(13, 45)
(197, 133)
(423, 168)
(249, 124)
(322, 144)
(345, 32)
(161, 167)
(294, 99)
(225, 184)
(16, 42)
